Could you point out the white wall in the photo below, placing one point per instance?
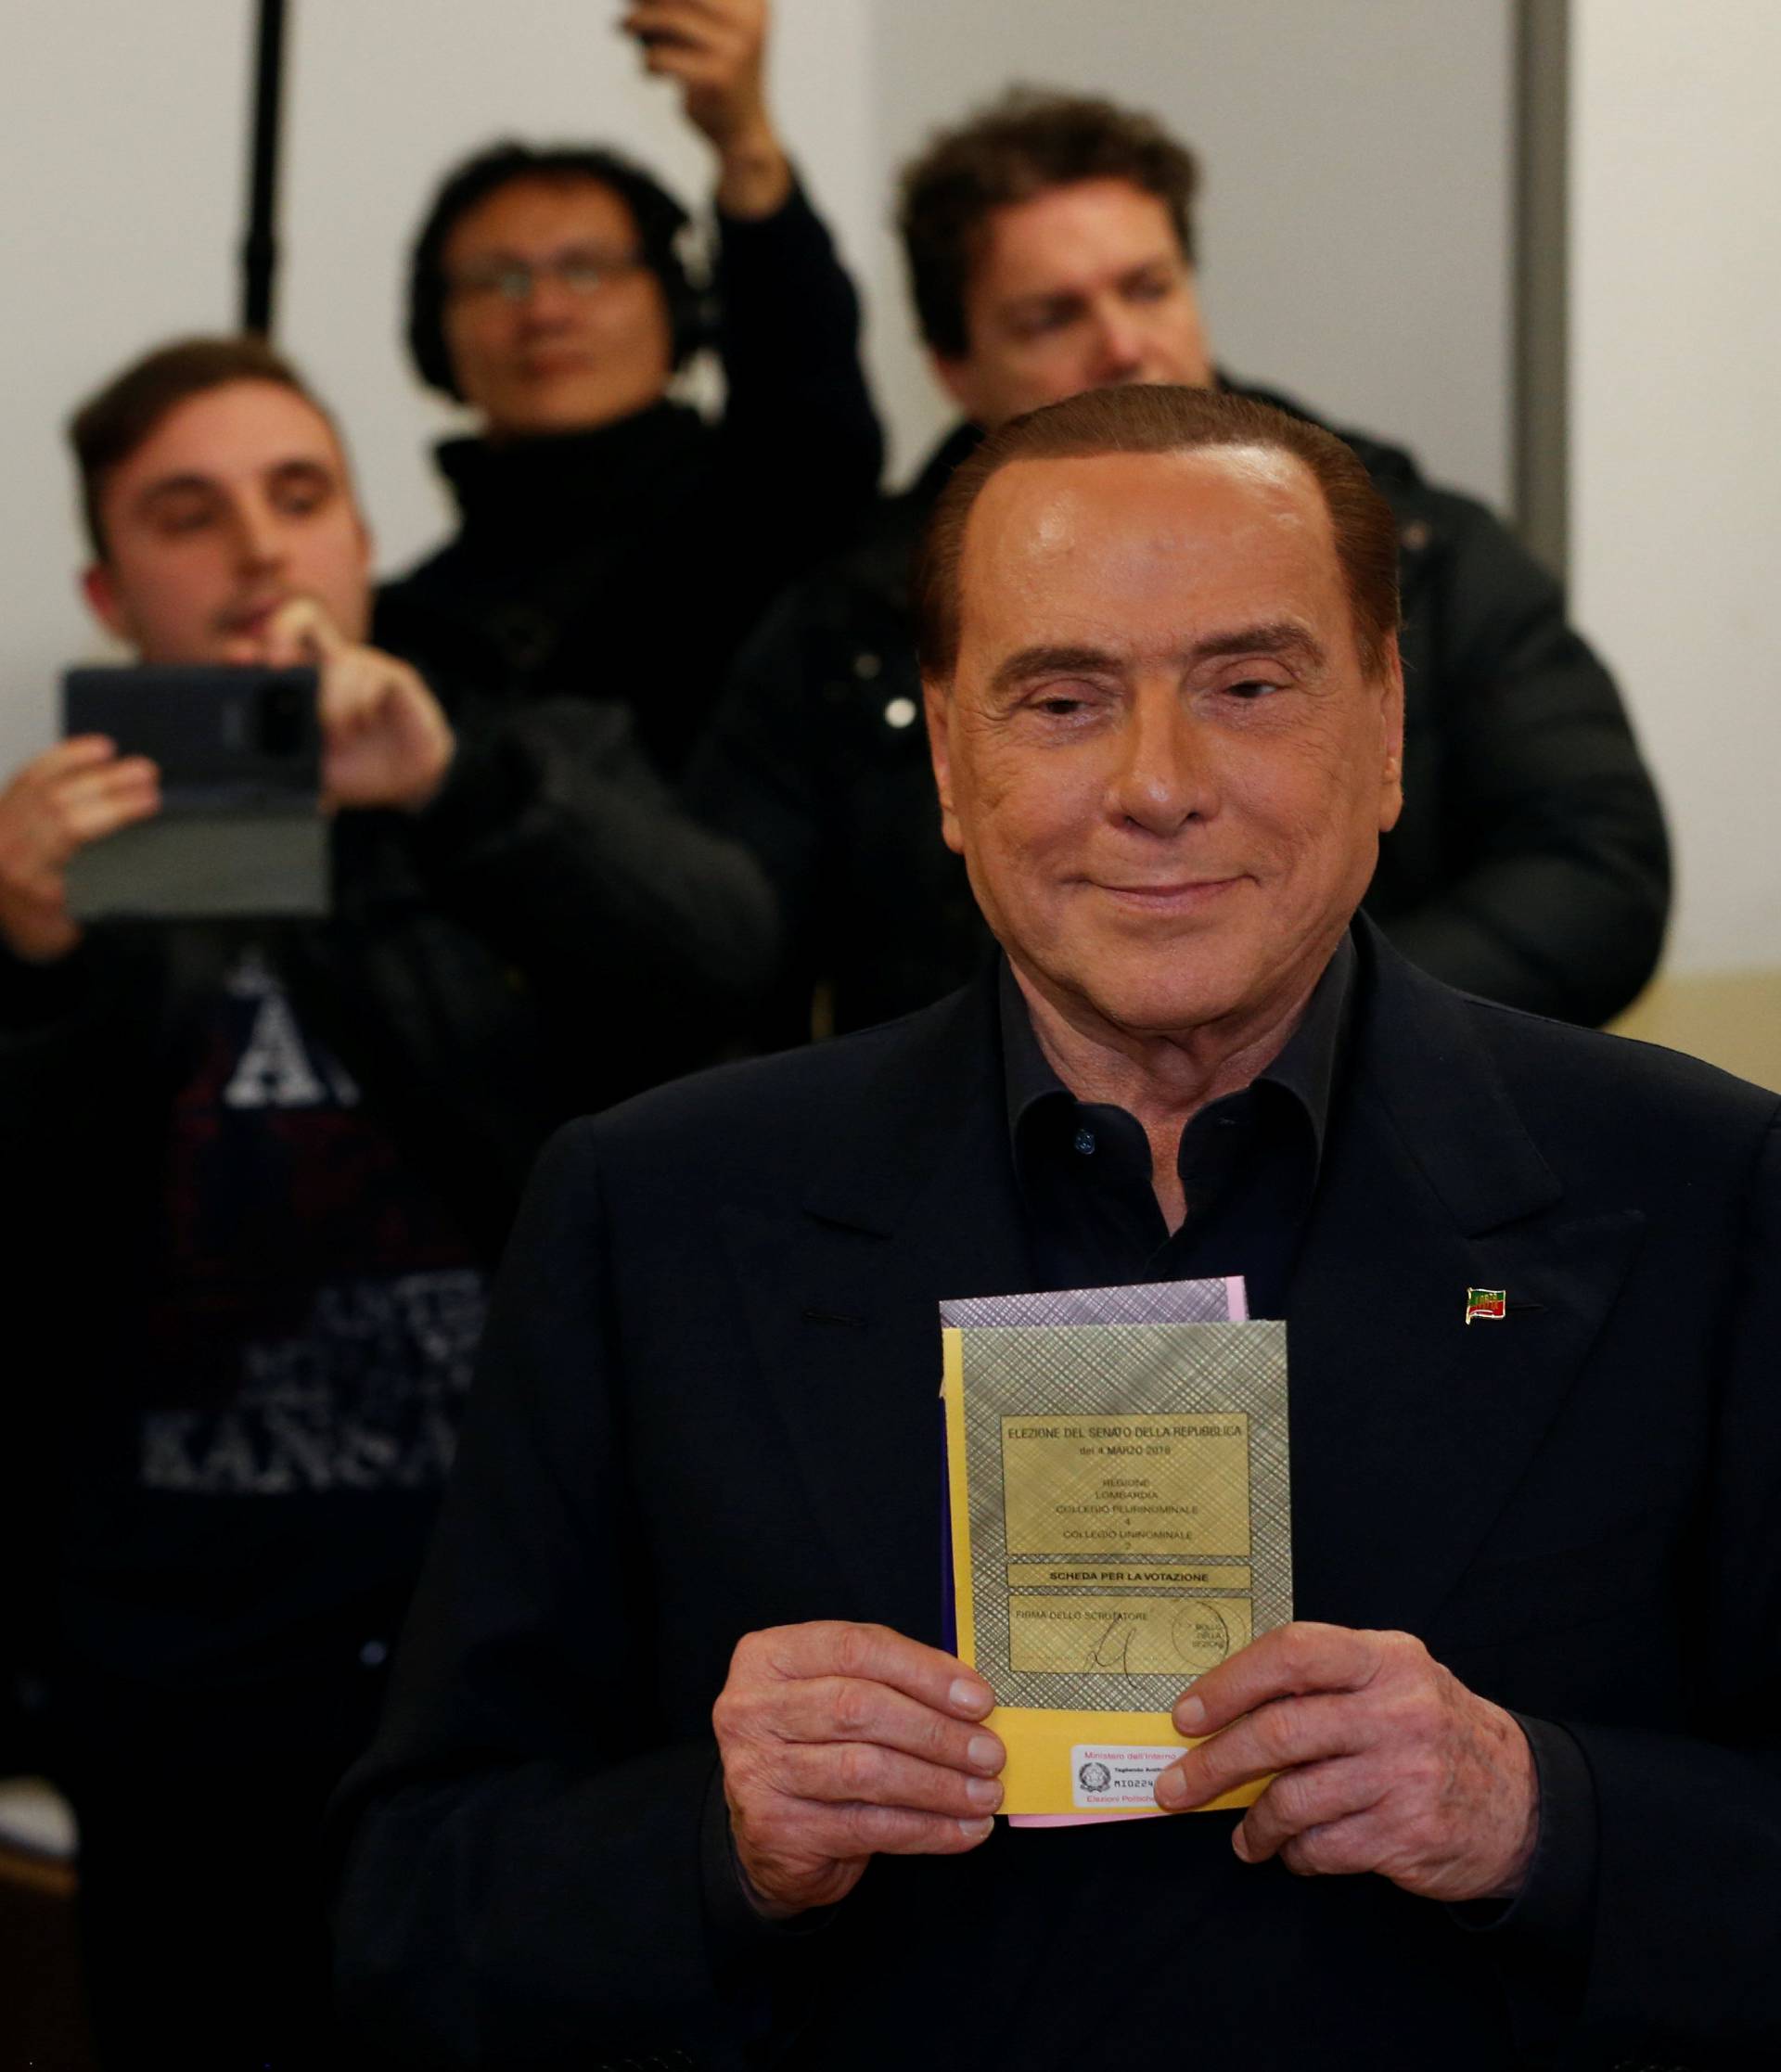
(116, 230)
(1675, 332)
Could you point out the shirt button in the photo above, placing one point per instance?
(375, 1654)
(899, 712)
(866, 665)
(1084, 1141)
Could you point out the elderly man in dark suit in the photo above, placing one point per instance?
(675, 1763)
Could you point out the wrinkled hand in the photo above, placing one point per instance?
(844, 1742)
(385, 742)
(716, 49)
(71, 795)
(1386, 1762)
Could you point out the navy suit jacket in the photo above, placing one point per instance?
(707, 1406)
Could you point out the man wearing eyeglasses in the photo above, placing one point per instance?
(611, 542)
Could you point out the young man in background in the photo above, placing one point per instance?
(257, 1174)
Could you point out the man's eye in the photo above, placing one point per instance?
(300, 495)
(1036, 324)
(1062, 704)
(1249, 688)
(510, 279)
(1152, 288)
(174, 518)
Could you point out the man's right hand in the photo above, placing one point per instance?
(70, 795)
(841, 1742)
(716, 51)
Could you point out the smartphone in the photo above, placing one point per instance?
(240, 830)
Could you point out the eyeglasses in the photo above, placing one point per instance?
(582, 272)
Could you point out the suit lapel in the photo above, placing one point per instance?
(1410, 1428)
(841, 1296)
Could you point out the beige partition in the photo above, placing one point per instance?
(1730, 1018)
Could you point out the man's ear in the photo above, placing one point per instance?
(1391, 727)
(105, 600)
(938, 698)
(955, 376)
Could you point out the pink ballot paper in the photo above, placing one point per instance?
(1118, 1506)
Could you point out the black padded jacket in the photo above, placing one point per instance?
(1530, 866)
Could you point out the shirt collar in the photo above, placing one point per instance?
(1306, 1067)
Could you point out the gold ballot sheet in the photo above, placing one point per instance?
(1121, 1523)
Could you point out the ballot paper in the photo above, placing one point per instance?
(1120, 1497)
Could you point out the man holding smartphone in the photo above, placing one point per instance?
(257, 1172)
(209, 557)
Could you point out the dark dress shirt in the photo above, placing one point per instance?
(1248, 1165)
(1248, 1162)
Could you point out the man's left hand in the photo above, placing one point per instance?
(1382, 1761)
(716, 50)
(385, 741)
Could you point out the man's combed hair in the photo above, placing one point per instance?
(123, 415)
(1017, 147)
(1156, 419)
(658, 217)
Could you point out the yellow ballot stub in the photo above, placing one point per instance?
(1118, 1501)
(1049, 1749)
(1109, 1774)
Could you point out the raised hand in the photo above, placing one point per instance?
(843, 1742)
(716, 51)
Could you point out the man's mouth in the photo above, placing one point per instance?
(559, 360)
(1181, 895)
(250, 620)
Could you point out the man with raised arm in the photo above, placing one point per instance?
(611, 542)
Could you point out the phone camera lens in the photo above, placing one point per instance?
(283, 719)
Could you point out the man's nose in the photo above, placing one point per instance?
(1118, 344)
(1164, 776)
(548, 301)
(259, 536)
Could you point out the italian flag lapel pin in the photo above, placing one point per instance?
(1493, 1303)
